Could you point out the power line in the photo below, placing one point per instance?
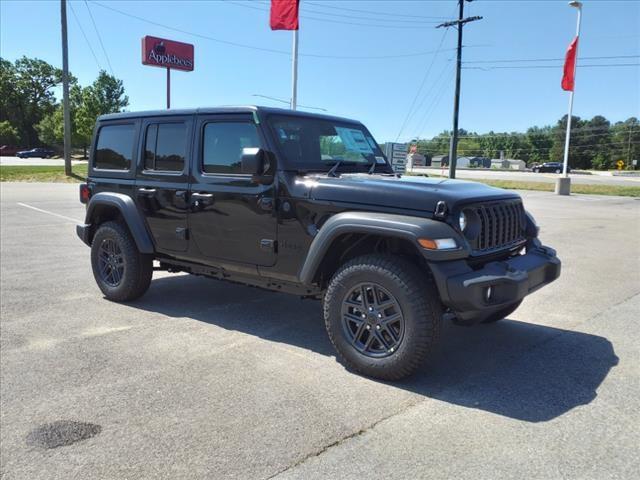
(411, 112)
(435, 102)
(533, 67)
(303, 12)
(99, 37)
(371, 12)
(262, 49)
(522, 60)
(308, 17)
(275, 99)
(85, 36)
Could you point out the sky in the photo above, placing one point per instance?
(382, 62)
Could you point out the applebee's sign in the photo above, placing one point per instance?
(160, 52)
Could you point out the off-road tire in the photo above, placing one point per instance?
(418, 299)
(138, 267)
(501, 314)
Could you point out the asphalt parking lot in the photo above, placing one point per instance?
(202, 379)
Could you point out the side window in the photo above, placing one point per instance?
(114, 149)
(165, 147)
(223, 144)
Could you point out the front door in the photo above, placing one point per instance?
(162, 180)
(231, 217)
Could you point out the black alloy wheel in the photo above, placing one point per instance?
(372, 320)
(120, 270)
(111, 263)
(383, 315)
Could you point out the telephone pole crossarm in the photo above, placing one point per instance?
(455, 23)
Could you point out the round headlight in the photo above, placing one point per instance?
(462, 221)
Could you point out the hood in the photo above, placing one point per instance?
(406, 192)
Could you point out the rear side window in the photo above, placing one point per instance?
(223, 144)
(165, 147)
(114, 149)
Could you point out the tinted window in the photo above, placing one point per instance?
(115, 147)
(223, 144)
(165, 147)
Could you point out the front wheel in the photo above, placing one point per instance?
(558, 170)
(383, 316)
(120, 270)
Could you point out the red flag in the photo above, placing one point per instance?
(284, 14)
(568, 77)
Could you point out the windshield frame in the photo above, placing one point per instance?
(347, 166)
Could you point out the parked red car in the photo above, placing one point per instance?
(8, 150)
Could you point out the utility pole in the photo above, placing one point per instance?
(65, 90)
(453, 148)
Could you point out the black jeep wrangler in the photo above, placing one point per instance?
(307, 204)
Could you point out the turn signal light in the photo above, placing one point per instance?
(438, 244)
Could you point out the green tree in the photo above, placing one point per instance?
(539, 142)
(26, 94)
(104, 95)
(8, 134)
(625, 141)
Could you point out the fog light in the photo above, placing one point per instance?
(487, 294)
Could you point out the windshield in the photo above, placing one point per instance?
(317, 144)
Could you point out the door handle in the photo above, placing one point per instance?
(146, 191)
(204, 198)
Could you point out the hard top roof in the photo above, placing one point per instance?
(213, 110)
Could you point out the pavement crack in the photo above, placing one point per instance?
(340, 441)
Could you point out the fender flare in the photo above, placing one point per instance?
(384, 224)
(127, 208)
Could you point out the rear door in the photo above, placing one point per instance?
(162, 180)
(232, 218)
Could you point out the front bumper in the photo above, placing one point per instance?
(464, 290)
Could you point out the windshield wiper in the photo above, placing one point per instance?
(373, 167)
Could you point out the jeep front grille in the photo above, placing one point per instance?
(501, 226)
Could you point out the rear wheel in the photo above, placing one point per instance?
(383, 316)
(558, 170)
(120, 270)
(504, 313)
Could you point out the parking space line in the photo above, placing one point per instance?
(50, 213)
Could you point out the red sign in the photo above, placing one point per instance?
(160, 52)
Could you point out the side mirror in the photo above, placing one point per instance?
(256, 162)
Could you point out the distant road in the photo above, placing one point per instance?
(15, 161)
(535, 177)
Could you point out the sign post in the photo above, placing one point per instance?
(168, 88)
(160, 52)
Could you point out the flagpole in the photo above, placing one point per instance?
(294, 71)
(563, 186)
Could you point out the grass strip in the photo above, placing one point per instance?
(30, 173)
(590, 189)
